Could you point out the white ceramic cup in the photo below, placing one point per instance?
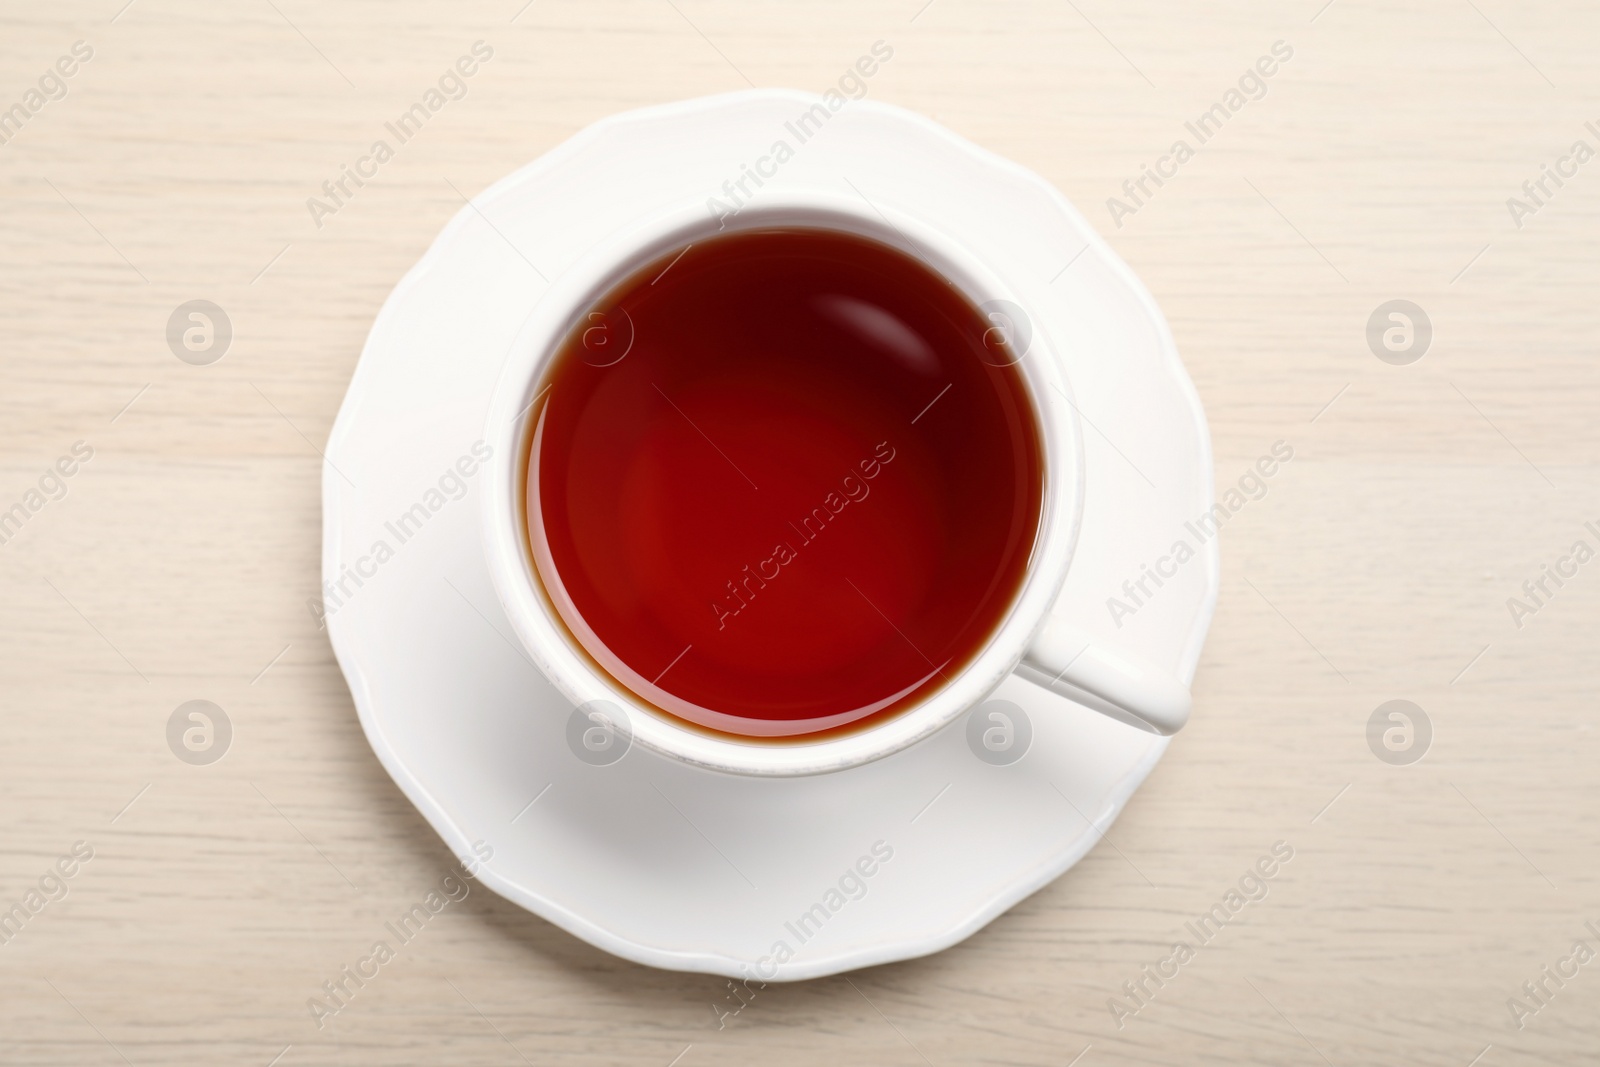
(1028, 641)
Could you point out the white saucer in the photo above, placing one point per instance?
(650, 859)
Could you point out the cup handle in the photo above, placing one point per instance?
(1068, 661)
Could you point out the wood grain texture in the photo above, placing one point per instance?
(177, 566)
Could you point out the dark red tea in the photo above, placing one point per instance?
(780, 483)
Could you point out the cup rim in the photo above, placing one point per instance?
(512, 414)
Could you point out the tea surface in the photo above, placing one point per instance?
(783, 482)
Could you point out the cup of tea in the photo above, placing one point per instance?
(787, 492)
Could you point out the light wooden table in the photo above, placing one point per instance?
(177, 566)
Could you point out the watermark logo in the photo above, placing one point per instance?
(199, 732)
(1399, 733)
(1009, 335)
(607, 336)
(598, 732)
(999, 732)
(199, 332)
(1399, 332)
